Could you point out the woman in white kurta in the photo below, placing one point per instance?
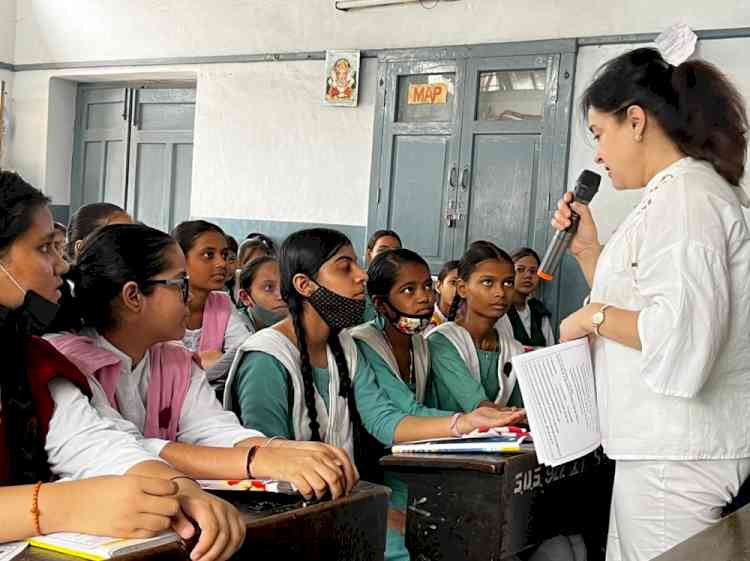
(670, 306)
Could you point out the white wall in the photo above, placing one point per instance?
(7, 30)
(7, 76)
(265, 148)
(609, 206)
(71, 30)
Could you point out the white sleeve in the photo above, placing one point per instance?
(204, 422)
(239, 328)
(686, 320)
(681, 272)
(82, 443)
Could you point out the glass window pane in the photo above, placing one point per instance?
(511, 95)
(426, 98)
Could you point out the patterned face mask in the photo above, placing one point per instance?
(337, 311)
(406, 323)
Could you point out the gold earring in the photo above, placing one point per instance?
(638, 137)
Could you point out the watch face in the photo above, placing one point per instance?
(597, 318)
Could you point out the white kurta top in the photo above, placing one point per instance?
(682, 258)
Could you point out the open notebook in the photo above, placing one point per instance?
(98, 548)
(559, 395)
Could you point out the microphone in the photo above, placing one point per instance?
(586, 187)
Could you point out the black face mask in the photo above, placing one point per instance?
(339, 312)
(36, 314)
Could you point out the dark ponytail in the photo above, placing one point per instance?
(699, 109)
(478, 252)
(112, 257)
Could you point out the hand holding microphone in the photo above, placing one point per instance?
(574, 224)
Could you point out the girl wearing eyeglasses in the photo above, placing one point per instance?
(132, 295)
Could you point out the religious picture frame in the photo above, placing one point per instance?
(341, 79)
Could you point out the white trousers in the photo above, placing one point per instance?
(658, 504)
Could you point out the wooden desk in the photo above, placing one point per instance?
(727, 540)
(350, 528)
(488, 507)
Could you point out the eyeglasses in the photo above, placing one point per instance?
(183, 284)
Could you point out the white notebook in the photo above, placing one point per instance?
(98, 548)
(559, 395)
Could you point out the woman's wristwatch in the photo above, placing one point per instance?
(598, 319)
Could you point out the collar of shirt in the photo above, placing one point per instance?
(126, 361)
(671, 170)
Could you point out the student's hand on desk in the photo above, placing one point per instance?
(313, 467)
(488, 417)
(127, 506)
(221, 526)
(209, 358)
(586, 239)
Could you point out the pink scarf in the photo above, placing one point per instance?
(216, 314)
(171, 369)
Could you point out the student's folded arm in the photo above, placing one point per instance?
(399, 393)
(451, 376)
(82, 443)
(380, 416)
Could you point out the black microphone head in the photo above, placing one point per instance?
(587, 186)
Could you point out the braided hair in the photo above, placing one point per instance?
(478, 251)
(305, 252)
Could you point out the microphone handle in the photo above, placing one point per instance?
(557, 248)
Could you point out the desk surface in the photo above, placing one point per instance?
(727, 540)
(354, 522)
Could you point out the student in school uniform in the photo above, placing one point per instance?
(528, 319)
(260, 293)
(88, 219)
(471, 354)
(400, 285)
(255, 245)
(380, 242)
(48, 426)
(132, 291)
(230, 282)
(304, 377)
(446, 292)
(215, 328)
(61, 235)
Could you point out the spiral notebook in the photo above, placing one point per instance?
(501, 444)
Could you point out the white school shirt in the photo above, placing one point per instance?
(82, 443)
(525, 315)
(239, 328)
(203, 421)
(681, 258)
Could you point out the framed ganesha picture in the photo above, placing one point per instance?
(342, 78)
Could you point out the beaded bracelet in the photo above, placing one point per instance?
(35, 508)
(250, 455)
